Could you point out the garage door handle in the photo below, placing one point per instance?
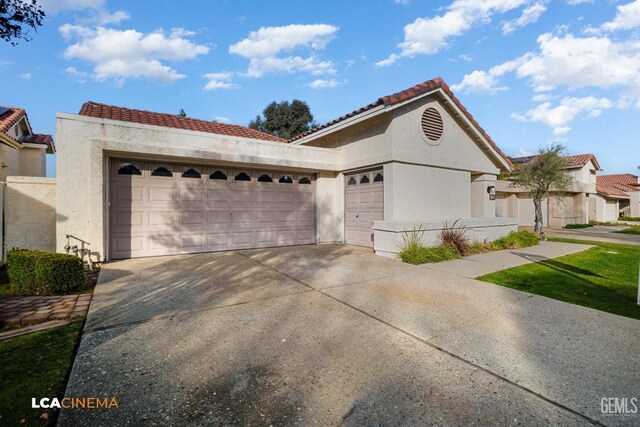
(357, 216)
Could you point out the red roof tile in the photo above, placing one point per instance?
(610, 191)
(417, 90)
(577, 160)
(10, 118)
(622, 178)
(103, 111)
(38, 138)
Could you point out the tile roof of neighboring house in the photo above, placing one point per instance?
(10, 118)
(622, 178)
(611, 191)
(103, 111)
(415, 91)
(577, 160)
(38, 138)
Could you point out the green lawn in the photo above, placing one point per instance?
(35, 365)
(604, 277)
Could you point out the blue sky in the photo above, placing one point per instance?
(531, 72)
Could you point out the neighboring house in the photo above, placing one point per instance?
(136, 183)
(618, 195)
(573, 207)
(22, 152)
(27, 199)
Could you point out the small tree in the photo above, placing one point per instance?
(182, 113)
(544, 173)
(284, 119)
(17, 14)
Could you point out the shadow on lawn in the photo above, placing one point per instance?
(560, 266)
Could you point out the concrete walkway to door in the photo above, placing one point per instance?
(334, 334)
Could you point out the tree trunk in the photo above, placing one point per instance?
(537, 203)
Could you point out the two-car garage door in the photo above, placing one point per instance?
(161, 208)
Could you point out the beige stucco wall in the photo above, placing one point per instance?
(30, 213)
(10, 161)
(85, 143)
(32, 161)
(634, 204)
(330, 207)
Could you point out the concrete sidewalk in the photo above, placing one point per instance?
(478, 265)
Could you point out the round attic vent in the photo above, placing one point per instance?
(432, 124)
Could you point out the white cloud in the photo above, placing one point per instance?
(486, 81)
(80, 76)
(220, 81)
(529, 15)
(429, 35)
(124, 54)
(324, 84)
(264, 47)
(560, 117)
(52, 7)
(523, 152)
(222, 119)
(542, 97)
(25, 76)
(402, 2)
(627, 17)
(577, 2)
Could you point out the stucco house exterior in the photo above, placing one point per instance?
(618, 195)
(135, 183)
(22, 152)
(574, 207)
(27, 198)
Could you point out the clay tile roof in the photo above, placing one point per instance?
(103, 111)
(38, 138)
(412, 92)
(622, 178)
(10, 118)
(610, 191)
(577, 160)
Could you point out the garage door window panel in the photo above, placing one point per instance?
(242, 177)
(129, 169)
(305, 180)
(218, 175)
(191, 173)
(161, 171)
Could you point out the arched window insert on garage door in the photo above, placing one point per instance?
(218, 175)
(364, 179)
(191, 173)
(265, 178)
(286, 179)
(129, 169)
(161, 171)
(352, 181)
(304, 180)
(378, 177)
(242, 176)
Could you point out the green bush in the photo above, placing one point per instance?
(576, 226)
(629, 218)
(412, 251)
(514, 240)
(44, 273)
(455, 237)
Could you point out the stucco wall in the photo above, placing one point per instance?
(32, 161)
(30, 213)
(85, 143)
(330, 207)
(414, 192)
(10, 161)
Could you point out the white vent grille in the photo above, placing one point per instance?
(432, 124)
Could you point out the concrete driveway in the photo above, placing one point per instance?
(332, 335)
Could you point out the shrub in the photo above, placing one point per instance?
(576, 226)
(514, 240)
(412, 250)
(455, 237)
(477, 248)
(44, 273)
(629, 218)
(439, 253)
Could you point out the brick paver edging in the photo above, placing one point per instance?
(28, 310)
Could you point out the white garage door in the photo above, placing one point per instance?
(161, 209)
(364, 203)
(612, 210)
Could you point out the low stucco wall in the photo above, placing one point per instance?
(388, 236)
(30, 213)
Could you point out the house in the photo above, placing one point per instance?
(135, 183)
(27, 198)
(22, 152)
(573, 207)
(618, 195)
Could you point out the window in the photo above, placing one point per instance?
(378, 177)
(218, 175)
(242, 176)
(364, 179)
(286, 179)
(352, 181)
(129, 169)
(161, 171)
(191, 173)
(304, 180)
(265, 178)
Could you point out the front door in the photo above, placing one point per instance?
(364, 203)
